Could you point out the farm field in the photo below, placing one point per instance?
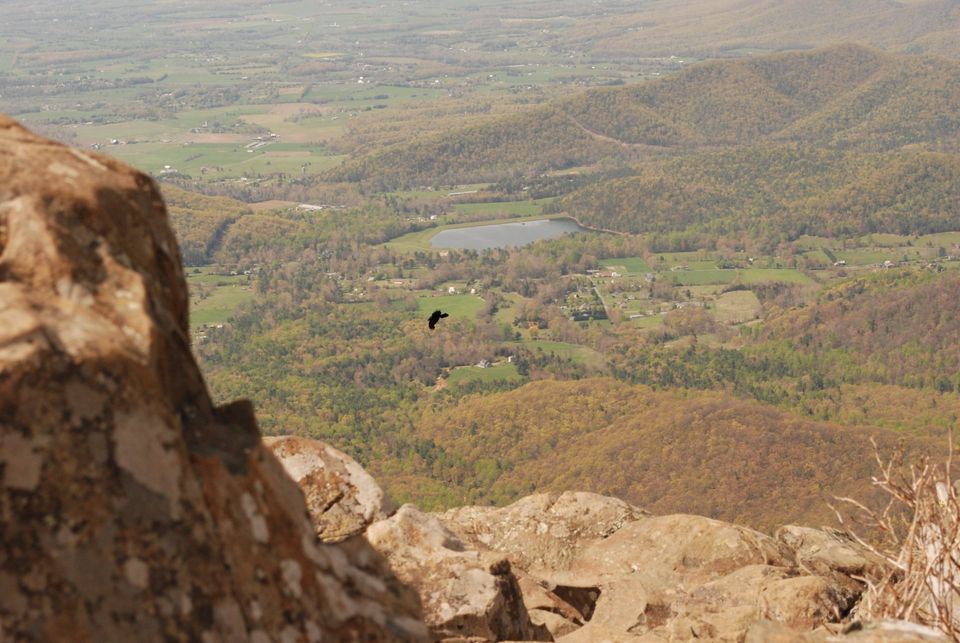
(222, 161)
(459, 307)
(632, 265)
(219, 306)
(576, 352)
(514, 208)
(496, 373)
(737, 307)
(171, 98)
(214, 296)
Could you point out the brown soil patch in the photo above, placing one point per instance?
(273, 204)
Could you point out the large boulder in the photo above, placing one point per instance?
(677, 551)
(626, 575)
(542, 531)
(342, 497)
(131, 507)
(466, 594)
(823, 552)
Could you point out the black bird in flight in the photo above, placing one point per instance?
(435, 317)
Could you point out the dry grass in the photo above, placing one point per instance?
(921, 546)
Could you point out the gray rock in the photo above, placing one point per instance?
(821, 552)
(806, 602)
(342, 497)
(465, 593)
(542, 531)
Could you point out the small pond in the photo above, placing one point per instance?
(502, 235)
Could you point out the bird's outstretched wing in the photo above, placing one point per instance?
(435, 317)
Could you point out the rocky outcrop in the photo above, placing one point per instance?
(342, 497)
(826, 552)
(593, 568)
(131, 507)
(466, 594)
(542, 531)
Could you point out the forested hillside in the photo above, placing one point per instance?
(841, 97)
(666, 451)
(883, 348)
(540, 140)
(200, 221)
(892, 328)
(779, 192)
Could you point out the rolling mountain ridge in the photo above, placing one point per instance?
(847, 97)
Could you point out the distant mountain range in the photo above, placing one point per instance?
(842, 97)
(710, 28)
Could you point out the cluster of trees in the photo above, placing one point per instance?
(894, 327)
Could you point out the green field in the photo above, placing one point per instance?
(222, 160)
(764, 275)
(516, 208)
(693, 260)
(746, 276)
(499, 372)
(211, 275)
(652, 321)
(700, 277)
(577, 353)
(633, 265)
(457, 306)
(737, 307)
(219, 306)
(215, 296)
(865, 257)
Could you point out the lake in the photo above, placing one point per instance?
(503, 235)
